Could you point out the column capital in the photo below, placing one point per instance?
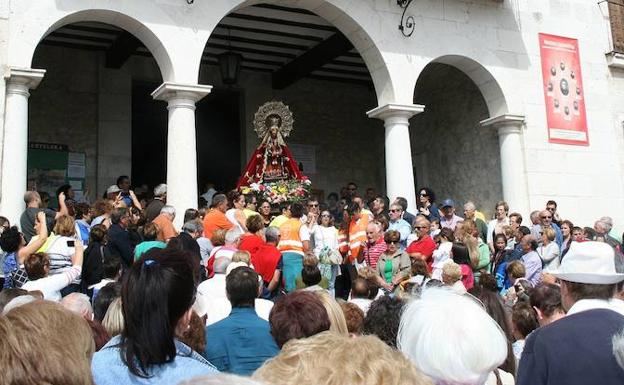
(393, 110)
(505, 123)
(28, 78)
(169, 91)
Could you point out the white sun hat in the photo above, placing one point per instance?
(590, 263)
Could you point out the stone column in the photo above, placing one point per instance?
(513, 170)
(399, 169)
(15, 144)
(181, 148)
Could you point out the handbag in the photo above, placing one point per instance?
(327, 255)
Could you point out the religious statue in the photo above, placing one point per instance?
(272, 160)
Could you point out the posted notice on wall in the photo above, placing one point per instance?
(563, 90)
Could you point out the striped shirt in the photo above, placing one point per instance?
(372, 252)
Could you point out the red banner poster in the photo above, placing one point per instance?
(563, 90)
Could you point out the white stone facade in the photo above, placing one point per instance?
(495, 43)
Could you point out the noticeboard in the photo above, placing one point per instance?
(52, 165)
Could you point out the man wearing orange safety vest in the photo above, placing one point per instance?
(356, 239)
(294, 243)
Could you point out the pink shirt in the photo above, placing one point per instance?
(450, 223)
(373, 252)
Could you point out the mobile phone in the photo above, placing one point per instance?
(71, 243)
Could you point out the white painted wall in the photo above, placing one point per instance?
(500, 36)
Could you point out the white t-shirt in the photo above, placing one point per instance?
(214, 287)
(440, 256)
(231, 216)
(362, 303)
(220, 308)
(52, 285)
(325, 236)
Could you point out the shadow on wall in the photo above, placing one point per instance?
(452, 153)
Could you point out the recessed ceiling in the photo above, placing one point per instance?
(268, 37)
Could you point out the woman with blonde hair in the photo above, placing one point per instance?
(60, 245)
(334, 311)
(549, 250)
(331, 359)
(34, 336)
(113, 320)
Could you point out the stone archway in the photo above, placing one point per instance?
(22, 53)
(457, 152)
(29, 32)
(354, 21)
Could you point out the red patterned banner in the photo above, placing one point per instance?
(563, 90)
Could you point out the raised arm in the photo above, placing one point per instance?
(35, 244)
(78, 256)
(241, 219)
(62, 206)
(135, 201)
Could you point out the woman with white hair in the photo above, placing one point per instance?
(464, 351)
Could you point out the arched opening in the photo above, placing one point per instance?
(453, 154)
(89, 106)
(295, 56)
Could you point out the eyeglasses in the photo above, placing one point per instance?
(420, 227)
(395, 210)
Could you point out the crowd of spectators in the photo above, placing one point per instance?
(357, 290)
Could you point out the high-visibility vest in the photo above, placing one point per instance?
(289, 236)
(343, 242)
(357, 235)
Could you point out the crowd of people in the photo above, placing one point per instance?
(356, 289)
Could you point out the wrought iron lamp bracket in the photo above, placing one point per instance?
(407, 23)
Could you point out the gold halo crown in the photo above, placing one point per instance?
(273, 108)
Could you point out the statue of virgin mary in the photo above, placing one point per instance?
(272, 160)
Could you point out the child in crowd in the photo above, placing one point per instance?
(451, 276)
(509, 234)
(435, 227)
(523, 322)
(443, 253)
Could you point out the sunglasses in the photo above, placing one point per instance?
(423, 195)
(395, 211)
(393, 242)
(545, 217)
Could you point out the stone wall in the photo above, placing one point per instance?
(64, 108)
(88, 107)
(453, 154)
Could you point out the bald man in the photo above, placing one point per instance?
(423, 247)
(375, 245)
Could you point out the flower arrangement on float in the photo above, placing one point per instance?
(288, 190)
